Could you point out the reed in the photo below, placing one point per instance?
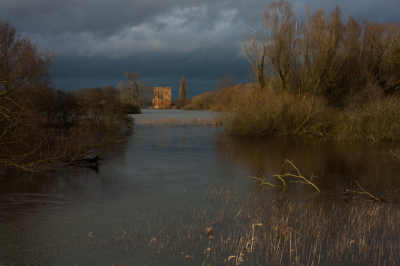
(244, 229)
(250, 111)
(214, 122)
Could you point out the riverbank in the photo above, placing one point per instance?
(249, 111)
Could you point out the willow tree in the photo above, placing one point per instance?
(183, 90)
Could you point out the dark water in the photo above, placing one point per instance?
(75, 216)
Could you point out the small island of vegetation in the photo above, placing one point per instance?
(320, 77)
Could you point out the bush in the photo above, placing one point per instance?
(247, 110)
(203, 101)
(225, 95)
(106, 109)
(182, 103)
(373, 119)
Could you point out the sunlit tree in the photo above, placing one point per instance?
(137, 87)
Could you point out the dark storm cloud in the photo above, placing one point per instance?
(95, 41)
(157, 70)
(101, 17)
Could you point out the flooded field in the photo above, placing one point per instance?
(183, 194)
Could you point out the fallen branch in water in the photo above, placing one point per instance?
(369, 194)
(308, 182)
(262, 179)
(394, 154)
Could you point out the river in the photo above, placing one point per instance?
(161, 171)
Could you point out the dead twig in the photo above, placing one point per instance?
(306, 181)
(365, 192)
(395, 155)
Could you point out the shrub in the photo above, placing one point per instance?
(251, 111)
(182, 103)
(203, 101)
(369, 114)
(106, 109)
(224, 96)
(373, 119)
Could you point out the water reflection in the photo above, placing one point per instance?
(48, 216)
(337, 163)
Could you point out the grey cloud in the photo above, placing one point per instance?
(104, 17)
(161, 70)
(96, 41)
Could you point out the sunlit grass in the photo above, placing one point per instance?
(189, 121)
(241, 229)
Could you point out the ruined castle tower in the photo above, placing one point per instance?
(161, 97)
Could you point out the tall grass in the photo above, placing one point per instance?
(376, 118)
(251, 111)
(189, 121)
(203, 101)
(247, 110)
(180, 103)
(247, 230)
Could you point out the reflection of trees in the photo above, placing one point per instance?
(22, 192)
(345, 161)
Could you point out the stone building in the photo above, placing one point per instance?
(161, 97)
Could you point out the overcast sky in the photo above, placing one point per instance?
(95, 41)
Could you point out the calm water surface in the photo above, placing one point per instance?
(77, 215)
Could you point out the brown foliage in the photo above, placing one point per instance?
(40, 128)
(180, 103)
(323, 56)
(21, 63)
(109, 107)
(247, 110)
(281, 40)
(136, 88)
(203, 101)
(318, 77)
(225, 81)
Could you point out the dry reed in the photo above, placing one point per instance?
(244, 229)
(190, 121)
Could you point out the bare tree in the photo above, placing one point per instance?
(225, 81)
(256, 52)
(281, 40)
(21, 63)
(381, 54)
(322, 57)
(137, 86)
(32, 123)
(183, 90)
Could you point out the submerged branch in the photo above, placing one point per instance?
(262, 180)
(369, 194)
(306, 181)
